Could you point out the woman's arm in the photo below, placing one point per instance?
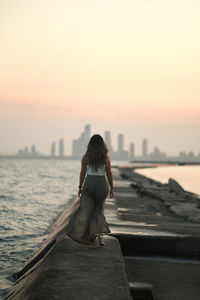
(82, 175)
(109, 176)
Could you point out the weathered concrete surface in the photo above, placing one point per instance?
(75, 271)
(161, 248)
(168, 278)
(56, 232)
(65, 269)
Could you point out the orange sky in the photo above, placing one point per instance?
(127, 66)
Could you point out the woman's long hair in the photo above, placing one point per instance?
(96, 152)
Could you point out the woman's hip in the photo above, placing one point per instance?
(96, 183)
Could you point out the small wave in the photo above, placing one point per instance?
(3, 197)
(18, 237)
(5, 228)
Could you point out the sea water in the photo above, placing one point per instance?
(187, 176)
(33, 193)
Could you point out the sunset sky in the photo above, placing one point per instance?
(128, 66)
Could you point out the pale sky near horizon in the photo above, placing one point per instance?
(129, 66)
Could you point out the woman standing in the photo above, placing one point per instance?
(88, 222)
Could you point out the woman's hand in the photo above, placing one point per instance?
(111, 193)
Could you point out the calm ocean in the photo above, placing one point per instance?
(187, 176)
(32, 195)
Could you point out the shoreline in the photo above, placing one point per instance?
(173, 161)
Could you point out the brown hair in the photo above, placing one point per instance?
(96, 152)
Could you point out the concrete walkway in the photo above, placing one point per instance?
(73, 271)
(64, 269)
(161, 251)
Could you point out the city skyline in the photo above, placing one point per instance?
(79, 145)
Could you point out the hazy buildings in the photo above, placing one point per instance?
(107, 139)
(53, 149)
(182, 155)
(144, 148)
(157, 155)
(191, 156)
(61, 148)
(120, 143)
(33, 150)
(132, 151)
(79, 145)
(25, 153)
(120, 154)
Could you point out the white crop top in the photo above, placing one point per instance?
(99, 172)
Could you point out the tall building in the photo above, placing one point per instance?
(79, 145)
(61, 148)
(132, 151)
(107, 138)
(23, 152)
(120, 143)
(157, 155)
(120, 154)
(144, 148)
(183, 155)
(53, 149)
(191, 156)
(33, 150)
(87, 133)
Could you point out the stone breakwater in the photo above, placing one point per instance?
(181, 203)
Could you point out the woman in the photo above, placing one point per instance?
(88, 222)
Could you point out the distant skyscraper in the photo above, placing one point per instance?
(120, 143)
(87, 133)
(191, 155)
(53, 149)
(107, 138)
(33, 152)
(61, 148)
(182, 155)
(120, 154)
(157, 155)
(132, 151)
(144, 148)
(33, 149)
(79, 146)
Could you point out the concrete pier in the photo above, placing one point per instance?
(65, 269)
(151, 253)
(74, 271)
